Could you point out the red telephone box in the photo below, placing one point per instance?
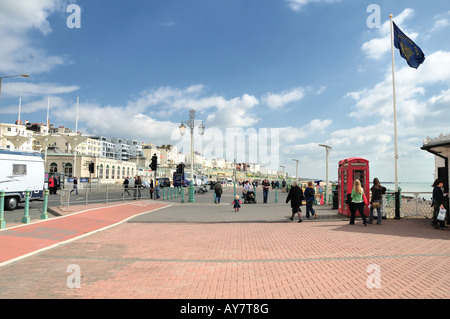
(349, 170)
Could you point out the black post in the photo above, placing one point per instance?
(397, 205)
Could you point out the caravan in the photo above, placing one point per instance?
(19, 172)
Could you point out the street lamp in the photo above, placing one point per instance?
(182, 128)
(328, 148)
(11, 76)
(296, 169)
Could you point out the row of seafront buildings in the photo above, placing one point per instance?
(114, 159)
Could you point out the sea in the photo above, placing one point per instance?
(410, 187)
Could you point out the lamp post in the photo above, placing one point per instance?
(327, 148)
(191, 124)
(296, 169)
(11, 76)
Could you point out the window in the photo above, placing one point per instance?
(53, 168)
(107, 172)
(113, 171)
(19, 169)
(68, 170)
(101, 171)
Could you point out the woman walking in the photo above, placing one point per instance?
(377, 200)
(358, 201)
(295, 196)
(438, 201)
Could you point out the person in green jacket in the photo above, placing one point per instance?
(358, 201)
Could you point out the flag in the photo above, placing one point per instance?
(408, 49)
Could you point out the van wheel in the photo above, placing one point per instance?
(11, 203)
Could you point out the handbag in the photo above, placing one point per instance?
(376, 204)
(366, 202)
(441, 215)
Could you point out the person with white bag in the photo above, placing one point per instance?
(441, 217)
(438, 204)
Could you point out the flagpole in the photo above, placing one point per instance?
(397, 195)
(75, 149)
(48, 111)
(20, 106)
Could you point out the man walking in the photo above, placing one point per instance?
(75, 186)
(218, 191)
(266, 186)
(126, 182)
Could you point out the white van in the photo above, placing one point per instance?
(20, 171)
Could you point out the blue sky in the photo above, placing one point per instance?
(311, 69)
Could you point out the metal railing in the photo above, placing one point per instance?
(114, 193)
(412, 204)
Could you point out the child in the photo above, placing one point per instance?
(236, 204)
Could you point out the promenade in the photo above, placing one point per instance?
(150, 249)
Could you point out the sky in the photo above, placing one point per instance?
(270, 79)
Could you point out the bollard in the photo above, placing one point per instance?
(44, 214)
(2, 210)
(171, 193)
(191, 192)
(26, 212)
(276, 194)
(182, 195)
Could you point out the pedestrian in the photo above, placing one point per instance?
(283, 186)
(137, 187)
(151, 189)
(266, 185)
(51, 185)
(56, 187)
(310, 194)
(295, 196)
(157, 190)
(438, 201)
(75, 186)
(126, 182)
(376, 200)
(358, 201)
(218, 191)
(236, 204)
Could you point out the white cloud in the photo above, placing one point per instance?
(22, 89)
(298, 5)
(411, 87)
(277, 101)
(17, 18)
(237, 112)
(377, 48)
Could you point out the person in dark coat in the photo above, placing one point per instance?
(218, 190)
(438, 200)
(295, 196)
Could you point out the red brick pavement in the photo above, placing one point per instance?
(326, 260)
(18, 241)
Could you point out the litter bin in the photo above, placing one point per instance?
(335, 199)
